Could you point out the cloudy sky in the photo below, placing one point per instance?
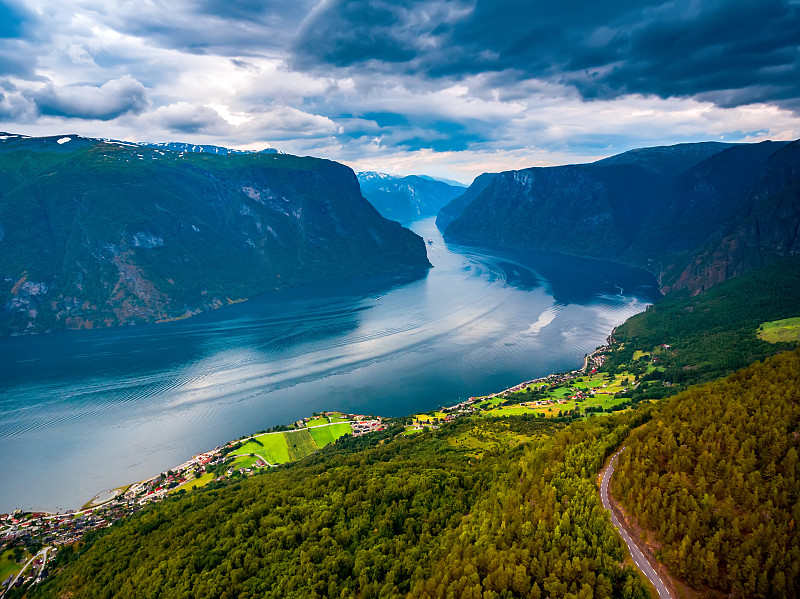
(448, 88)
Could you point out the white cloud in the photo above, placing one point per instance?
(169, 75)
(184, 117)
(105, 102)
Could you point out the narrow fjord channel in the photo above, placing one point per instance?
(82, 411)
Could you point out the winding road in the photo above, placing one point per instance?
(42, 553)
(636, 553)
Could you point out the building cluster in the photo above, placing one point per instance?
(363, 427)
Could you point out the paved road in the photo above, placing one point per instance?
(43, 553)
(636, 553)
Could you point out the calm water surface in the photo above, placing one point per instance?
(84, 411)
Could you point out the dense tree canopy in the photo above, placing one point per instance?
(712, 334)
(405, 515)
(716, 475)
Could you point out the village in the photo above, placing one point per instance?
(585, 391)
(30, 540)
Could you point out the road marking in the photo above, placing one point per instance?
(638, 556)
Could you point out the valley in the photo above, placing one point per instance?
(91, 410)
(356, 299)
(484, 317)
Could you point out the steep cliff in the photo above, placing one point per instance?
(765, 228)
(96, 233)
(405, 199)
(695, 214)
(453, 209)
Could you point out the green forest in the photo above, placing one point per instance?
(395, 516)
(710, 335)
(509, 507)
(716, 475)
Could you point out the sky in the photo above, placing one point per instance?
(445, 88)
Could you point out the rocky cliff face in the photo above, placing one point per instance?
(453, 209)
(102, 233)
(766, 227)
(695, 214)
(405, 199)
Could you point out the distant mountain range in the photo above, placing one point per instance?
(694, 214)
(98, 233)
(405, 199)
(177, 146)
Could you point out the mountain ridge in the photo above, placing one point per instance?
(101, 233)
(671, 209)
(406, 198)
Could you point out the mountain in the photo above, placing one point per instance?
(714, 480)
(98, 233)
(509, 507)
(177, 146)
(765, 226)
(405, 199)
(695, 214)
(453, 210)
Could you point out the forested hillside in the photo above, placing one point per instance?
(693, 214)
(404, 516)
(96, 233)
(709, 335)
(716, 477)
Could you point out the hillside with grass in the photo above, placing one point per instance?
(709, 335)
(504, 503)
(97, 233)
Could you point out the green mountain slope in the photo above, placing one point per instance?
(100, 233)
(715, 477)
(694, 214)
(509, 507)
(709, 335)
(386, 516)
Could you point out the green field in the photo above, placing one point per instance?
(199, 482)
(274, 448)
(604, 397)
(300, 444)
(8, 566)
(510, 411)
(780, 331)
(428, 417)
(411, 431)
(323, 435)
(318, 421)
(244, 461)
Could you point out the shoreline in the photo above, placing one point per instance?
(125, 488)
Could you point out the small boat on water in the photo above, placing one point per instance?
(430, 241)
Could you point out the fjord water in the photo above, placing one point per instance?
(85, 411)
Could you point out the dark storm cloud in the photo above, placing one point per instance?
(255, 10)
(223, 27)
(729, 51)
